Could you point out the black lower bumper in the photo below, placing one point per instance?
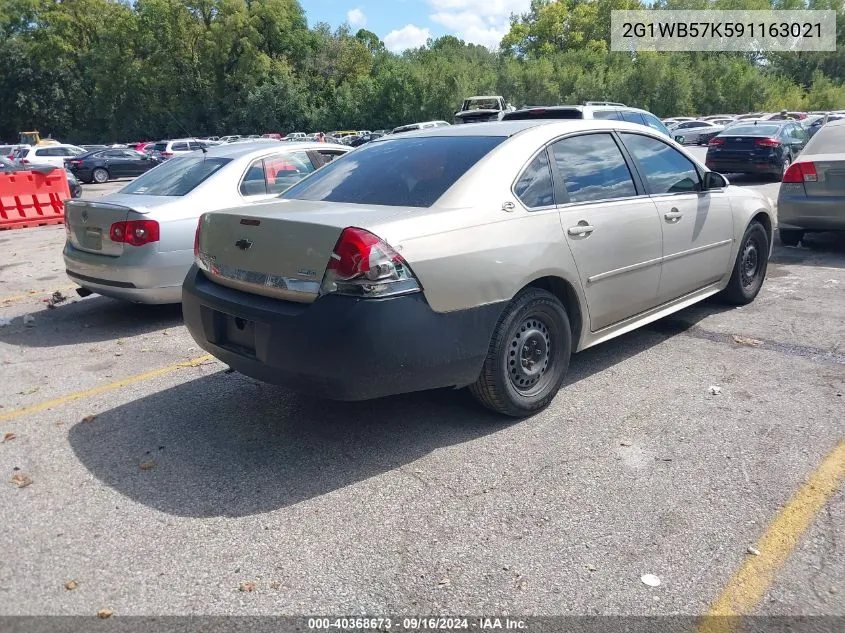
(339, 347)
(742, 167)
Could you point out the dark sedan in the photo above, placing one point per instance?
(102, 165)
(763, 147)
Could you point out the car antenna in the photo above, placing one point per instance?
(188, 134)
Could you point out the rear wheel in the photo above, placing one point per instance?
(750, 266)
(787, 161)
(528, 356)
(790, 237)
(100, 175)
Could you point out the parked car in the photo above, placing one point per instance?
(8, 151)
(763, 147)
(272, 135)
(482, 108)
(688, 132)
(46, 154)
(590, 110)
(91, 148)
(106, 164)
(73, 184)
(815, 123)
(168, 149)
(466, 260)
(229, 139)
(812, 194)
(411, 127)
(136, 244)
(676, 119)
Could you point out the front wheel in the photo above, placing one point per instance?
(100, 175)
(528, 356)
(749, 270)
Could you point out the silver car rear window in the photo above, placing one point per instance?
(176, 177)
(830, 139)
(409, 172)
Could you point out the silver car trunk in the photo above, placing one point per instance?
(280, 249)
(830, 174)
(88, 223)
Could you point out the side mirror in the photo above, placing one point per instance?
(679, 139)
(713, 180)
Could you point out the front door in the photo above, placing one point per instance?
(697, 224)
(612, 229)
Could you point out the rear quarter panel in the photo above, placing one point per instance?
(747, 205)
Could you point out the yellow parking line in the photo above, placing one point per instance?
(33, 293)
(95, 391)
(749, 584)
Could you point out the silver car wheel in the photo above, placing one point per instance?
(529, 354)
(100, 176)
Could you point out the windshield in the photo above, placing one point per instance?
(176, 177)
(412, 172)
(481, 104)
(754, 130)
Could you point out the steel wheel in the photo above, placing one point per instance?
(530, 349)
(749, 269)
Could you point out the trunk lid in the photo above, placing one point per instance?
(830, 173)
(282, 248)
(88, 222)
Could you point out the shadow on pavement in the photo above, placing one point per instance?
(816, 249)
(226, 445)
(91, 320)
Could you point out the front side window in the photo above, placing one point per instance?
(593, 168)
(399, 171)
(284, 170)
(176, 177)
(534, 186)
(664, 168)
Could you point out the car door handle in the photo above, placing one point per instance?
(673, 216)
(580, 229)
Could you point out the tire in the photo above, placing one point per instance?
(749, 269)
(533, 331)
(787, 161)
(790, 237)
(100, 176)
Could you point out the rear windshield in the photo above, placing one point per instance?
(481, 104)
(411, 172)
(830, 139)
(160, 147)
(21, 153)
(176, 177)
(753, 130)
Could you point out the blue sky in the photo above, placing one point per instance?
(405, 24)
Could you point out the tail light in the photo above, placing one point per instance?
(135, 232)
(767, 142)
(197, 239)
(801, 172)
(716, 141)
(75, 163)
(166, 154)
(24, 161)
(365, 266)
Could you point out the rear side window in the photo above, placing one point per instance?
(830, 139)
(176, 177)
(593, 168)
(46, 152)
(253, 183)
(180, 147)
(534, 186)
(412, 172)
(665, 169)
(606, 114)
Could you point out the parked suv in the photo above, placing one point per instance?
(169, 149)
(590, 110)
(46, 154)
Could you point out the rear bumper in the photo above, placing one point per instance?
(340, 348)
(811, 213)
(141, 277)
(743, 167)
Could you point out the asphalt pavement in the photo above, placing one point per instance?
(139, 471)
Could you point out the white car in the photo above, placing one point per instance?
(177, 146)
(46, 154)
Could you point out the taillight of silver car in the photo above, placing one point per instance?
(135, 232)
(364, 265)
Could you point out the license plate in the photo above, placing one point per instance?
(94, 239)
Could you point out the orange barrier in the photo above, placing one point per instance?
(32, 198)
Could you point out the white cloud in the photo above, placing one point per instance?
(478, 21)
(409, 36)
(356, 17)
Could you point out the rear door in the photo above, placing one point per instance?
(611, 226)
(697, 224)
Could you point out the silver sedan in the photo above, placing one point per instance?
(137, 244)
(689, 131)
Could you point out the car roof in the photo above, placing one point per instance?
(236, 150)
(482, 97)
(510, 128)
